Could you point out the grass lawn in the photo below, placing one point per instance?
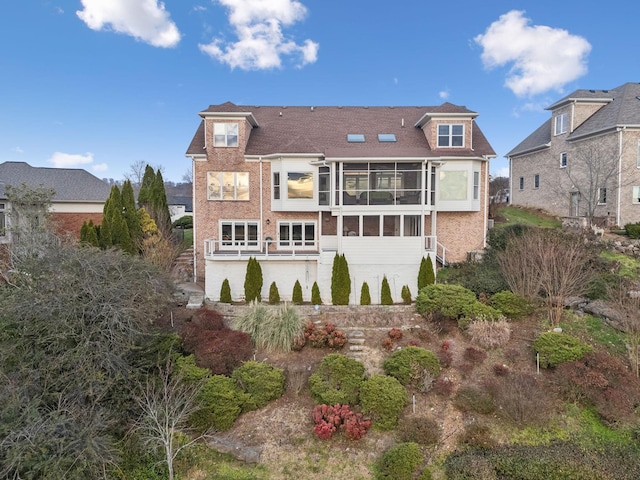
(515, 215)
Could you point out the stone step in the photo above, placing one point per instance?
(356, 348)
(356, 341)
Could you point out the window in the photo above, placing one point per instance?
(385, 225)
(371, 225)
(453, 185)
(386, 137)
(638, 160)
(450, 135)
(3, 219)
(355, 137)
(300, 185)
(373, 183)
(238, 234)
(563, 160)
(276, 185)
(225, 134)
(602, 196)
(536, 181)
(476, 185)
(560, 124)
(324, 178)
(636, 194)
(521, 183)
(227, 185)
(296, 234)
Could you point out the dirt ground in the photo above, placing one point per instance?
(283, 430)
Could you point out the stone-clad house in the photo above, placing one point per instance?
(584, 161)
(79, 196)
(293, 186)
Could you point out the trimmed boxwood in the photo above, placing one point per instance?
(382, 398)
(338, 379)
(262, 383)
(557, 347)
(408, 364)
(399, 462)
(449, 300)
(221, 401)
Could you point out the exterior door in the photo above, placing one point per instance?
(575, 204)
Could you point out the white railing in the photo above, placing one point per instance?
(265, 248)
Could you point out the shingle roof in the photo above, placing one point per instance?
(323, 130)
(70, 185)
(622, 108)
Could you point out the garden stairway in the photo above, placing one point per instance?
(355, 339)
(182, 269)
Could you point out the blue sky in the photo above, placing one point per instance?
(101, 84)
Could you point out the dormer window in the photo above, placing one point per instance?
(450, 135)
(225, 134)
(560, 124)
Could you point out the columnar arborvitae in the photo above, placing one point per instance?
(316, 299)
(144, 195)
(130, 214)
(406, 294)
(274, 295)
(225, 292)
(426, 274)
(385, 292)
(365, 296)
(296, 296)
(160, 205)
(111, 228)
(253, 281)
(340, 281)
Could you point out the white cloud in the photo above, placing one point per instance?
(68, 160)
(443, 94)
(100, 167)
(261, 43)
(543, 58)
(145, 20)
(18, 150)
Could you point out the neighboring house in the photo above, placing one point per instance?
(180, 206)
(293, 186)
(79, 196)
(584, 161)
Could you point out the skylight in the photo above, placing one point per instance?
(386, 137)
(355, 137)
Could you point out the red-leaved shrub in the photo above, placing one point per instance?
(222, 351)
(329, 418)
(320, 337)
(395, 334)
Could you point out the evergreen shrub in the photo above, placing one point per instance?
(633, 230)
(385, 292)
(400, 462)
(261, 381)
(296, 296)
(225, 292)
(557, 347)
(221, 403)
(253, 281)
(510, 305)
(406, 295)
(365, 296)
(316, 299)
(382, 398)
(274, 295)
(338, 379)
(412, 365)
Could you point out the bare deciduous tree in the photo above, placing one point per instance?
(626, 300)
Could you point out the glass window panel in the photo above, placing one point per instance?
(300, 185)
(227, 234)
(636, 194)
(297, 234)
(453, 185)
(239, 233)
(355, 137)
(371, 225)
(412, 225)
(276, 185)
(228, 186)
(242, 179)
(213, 186)
(253, 234)
(284, 234)
(391, 226)
(351, 225)
(309, 234)
(386, 137)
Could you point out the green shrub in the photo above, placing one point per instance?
(316, 299)
(186, 367)
(296, 296)
(406, 295)
(365, 297)
(221, 402)
(413, 366)
(633, 230)
(477, 311)
(340, 281)
(426, 275)
(449, 300)
(338, 379)
(385, 292)
(274, 295)
(382, 398)
(261, 382)
(510, 305)
(185, 221)
(556, 347)
(253, 281)
(400, 462)
(481, 277)
(225, 292)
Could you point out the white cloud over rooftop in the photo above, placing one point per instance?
(69, 160)
(542, 58)
(145, 20)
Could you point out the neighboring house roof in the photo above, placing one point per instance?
(187, 201)
(621, 108)
(69, 184)
(323, 131)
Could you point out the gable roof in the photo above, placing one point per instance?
(323, 131)
(621, 108)
(70, 184)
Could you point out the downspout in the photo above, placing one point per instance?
(261, 204)
(486, 204)
(195, 224)
(620, 131)
(510, 180)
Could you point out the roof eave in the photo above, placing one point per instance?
(225, 115)
(427, 116)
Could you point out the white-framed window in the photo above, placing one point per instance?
(560, 124)
(225, 134)
(536, 181)
(638, 159)
(450, 135)
(297, 235)
(299, 185)
(238, 234)
(276, 185)
(476, 185)
(324, 185)
(385, 225)
(602, 196)
(563, 160)
(521, 183)
(636, 195)
(228, 186)
(453, 185)
(3, 219)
